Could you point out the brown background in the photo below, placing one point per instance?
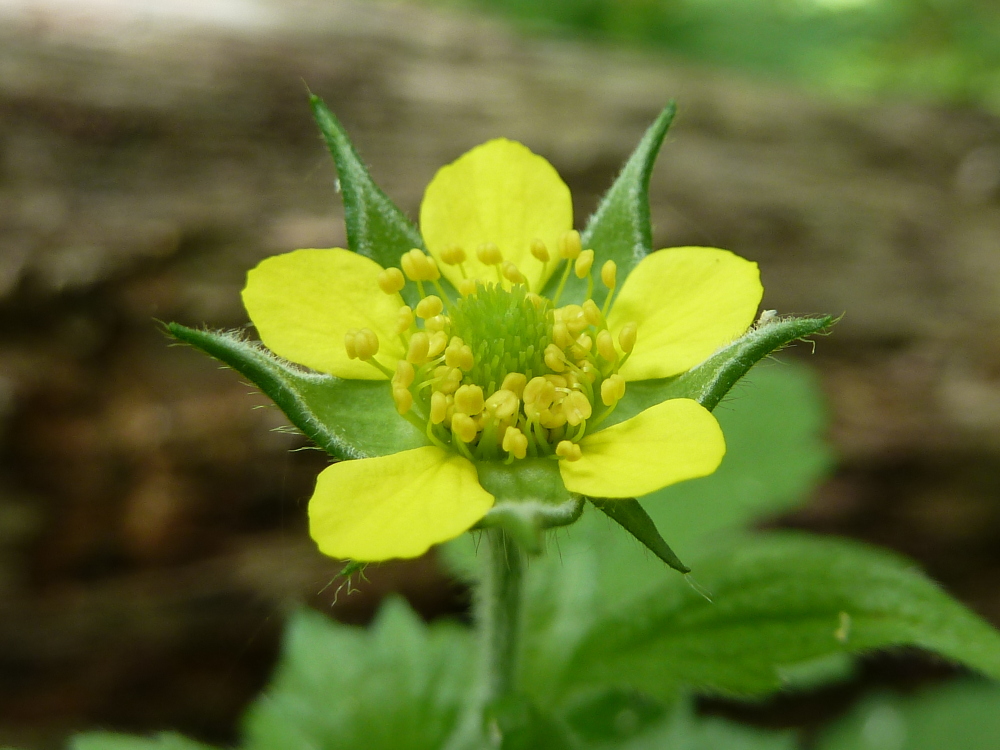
(152, 521)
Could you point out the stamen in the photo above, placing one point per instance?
(609, 274)
(568, 451)
(429, 306)
(569, 245)
(554, 358)
(419, 346)
(584, 262)
(515, 383)
(404, 374)
(515, 442)
(453, 255)
(612, 389)
(403, 399)
(592, 313)
(606, 346)
(539, 251)
(512, 274)
(467, 287)
(405, 320)
(439, 407)
(391, 280)
(626, 338)
(469, 399)
(464, 427)
(489, 254)
(577, 408)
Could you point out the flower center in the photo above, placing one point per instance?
(502, 372)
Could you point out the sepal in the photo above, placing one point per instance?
(346, 418)
(376, 227)
(530, 498)
(632, 517)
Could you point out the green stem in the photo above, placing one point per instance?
(498, 613)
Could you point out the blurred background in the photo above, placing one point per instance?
(152, 520)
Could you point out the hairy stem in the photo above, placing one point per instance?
(498, 613)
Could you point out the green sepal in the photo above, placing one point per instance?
(710, 381)
(376, 227)
(530, 498)
(632, 517)
(346, 418)
(619, 229)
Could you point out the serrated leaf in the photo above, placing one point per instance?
(399, 685)
(960, 716)
(114, 741)
(347, 418)
(632, 517)
(376, 228)
(530, 498)
(779, 600)
(620, 229)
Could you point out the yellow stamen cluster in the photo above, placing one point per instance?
(501, 373)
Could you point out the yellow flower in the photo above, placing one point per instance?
(496, 373)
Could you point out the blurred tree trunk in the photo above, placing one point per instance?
(147, 162)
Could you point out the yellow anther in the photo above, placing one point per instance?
(467, 287)
(536, 299)
(418, 266)
(403, 399)
(429, 306)
(584, 261)
(515, 442)
(459, 354)
(612, 389)
(489, 254)
(352, 352)
(391, 280)
(538, 392)
(437, 343)
(606, 346)
(404, 321)
(568, 451)
(464, 427)
(502, 404)
(469, 399)
(404, 374)
(574, 318)
(584, 343)
(439, 407)
(419, 345)
(609, 274)
(577, 408)
(553, 418)
(626, 338)
(558, 381)
(561, 336)
(592, 313)
(453, 255)
(515, 383)
(554, 358)
(511, 273)
(539, 250)
(569, 245)
(588, 371)
(437, 323)
(450, 380)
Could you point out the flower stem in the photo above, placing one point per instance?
(498, 613)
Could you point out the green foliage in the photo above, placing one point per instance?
(399, 685)
(779, 600)
(112, 741)
(945, 50)
(960, 716)
(620, 228)
(347, 418)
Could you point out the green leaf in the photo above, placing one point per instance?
(710, 381)
(960, 716)
(112, 741)
(399, 685)
(347, 418)
(632, 517)
(779, 600)
(376, 228)
(620, 228)
(530, 498)
(519, 725)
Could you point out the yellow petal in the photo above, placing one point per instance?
(303, 303)
(395, 506)
(667, 443)
(688, 302)
(498, 192)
